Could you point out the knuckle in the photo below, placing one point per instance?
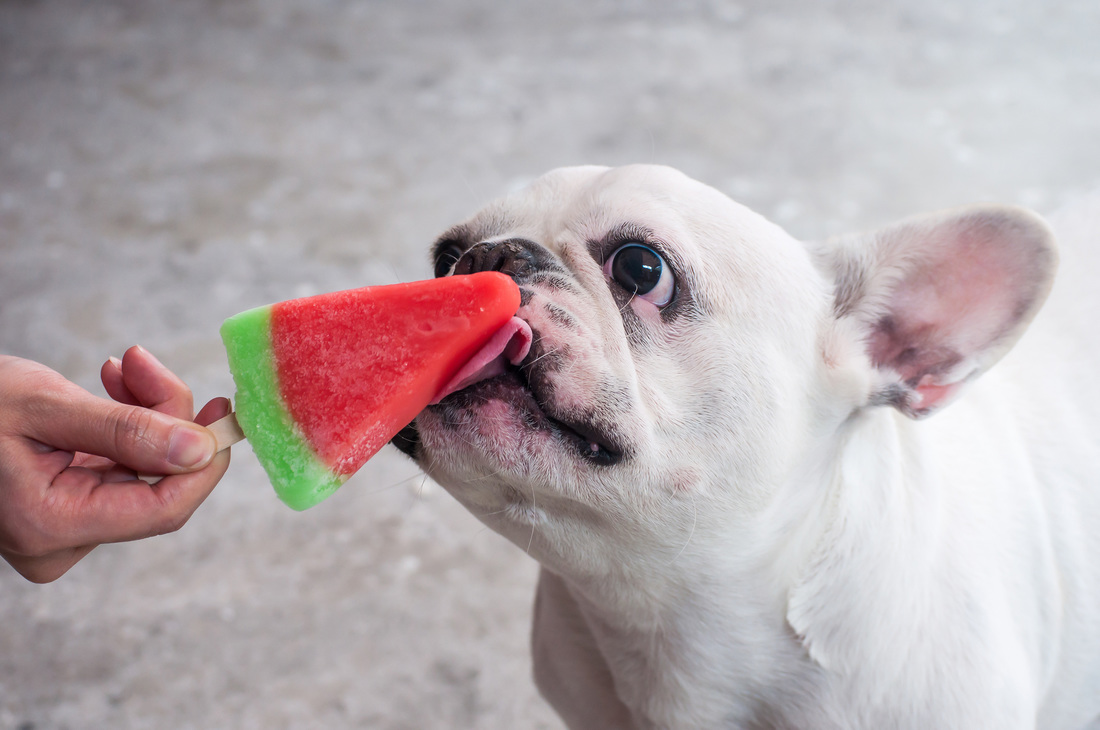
(175, 510)
(172, 522)
(134, 428)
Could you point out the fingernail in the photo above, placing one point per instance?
(115, 361)
(189, 448)
(224, 407)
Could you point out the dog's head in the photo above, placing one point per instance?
(686, 356)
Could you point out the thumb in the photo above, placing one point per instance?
(139, 438)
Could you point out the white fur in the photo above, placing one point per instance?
(782, 548)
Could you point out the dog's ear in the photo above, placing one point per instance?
(938, 299)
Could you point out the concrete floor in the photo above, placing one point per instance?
(165, 164)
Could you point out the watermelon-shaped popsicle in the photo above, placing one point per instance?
(324, 382)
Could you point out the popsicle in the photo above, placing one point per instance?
(323, 382)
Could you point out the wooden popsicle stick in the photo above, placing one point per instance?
(226, 433)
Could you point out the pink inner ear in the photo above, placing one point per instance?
(954, 304)
(956, 293)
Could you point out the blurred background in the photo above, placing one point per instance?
(165, 164)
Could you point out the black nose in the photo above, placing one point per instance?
(516, 257)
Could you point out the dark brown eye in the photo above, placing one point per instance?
(642, 272)
(445, 259)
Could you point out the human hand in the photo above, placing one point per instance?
(69, 460)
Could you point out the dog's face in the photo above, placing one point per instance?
(673, 368)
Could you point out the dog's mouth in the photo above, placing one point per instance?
(511, 368)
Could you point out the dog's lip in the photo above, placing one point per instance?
(593, 445)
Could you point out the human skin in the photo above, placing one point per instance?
(69, 460)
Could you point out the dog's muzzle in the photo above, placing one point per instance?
(517, 354)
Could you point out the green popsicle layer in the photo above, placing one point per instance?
(299, 478)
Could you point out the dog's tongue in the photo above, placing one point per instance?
(508, 346)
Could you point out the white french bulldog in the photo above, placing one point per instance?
(712, 438)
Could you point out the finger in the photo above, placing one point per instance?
(107, 470)
(47, 568)
(154, 385)
(111, 377)
(212, 411)
(142, 439)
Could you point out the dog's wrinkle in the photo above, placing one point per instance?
(561, 316)
(558, 280)
(584, 429)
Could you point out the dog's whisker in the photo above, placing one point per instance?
(395, 485)
(545, 354)
(534, 508)
(420, 489)
(491, 475)
(429, 467)
(691, 532)
(623, 308)
(494, 512)
(485, 477)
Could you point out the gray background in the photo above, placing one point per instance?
(164, 165)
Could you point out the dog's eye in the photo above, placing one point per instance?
(446, 258)
(642, 272)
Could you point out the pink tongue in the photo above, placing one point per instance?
(508, 346)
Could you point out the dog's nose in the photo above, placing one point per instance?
(516, 257)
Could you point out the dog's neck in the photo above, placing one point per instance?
(737, 612)
(696, 639)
